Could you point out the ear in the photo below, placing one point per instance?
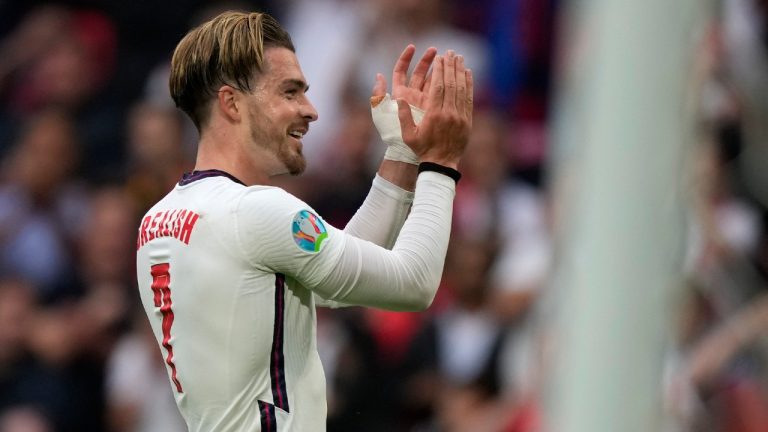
(229, 103)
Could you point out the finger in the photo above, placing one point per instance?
(407, 125)
(470, 95)
(449, 74)
(379, 90)
(427, 84)
(400, 72)
(380, 87)
(461, 86)
(421, 69)
(437, 89)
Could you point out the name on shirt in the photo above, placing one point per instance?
(176, 223)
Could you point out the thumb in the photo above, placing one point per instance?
(380, 87)
(407, 125)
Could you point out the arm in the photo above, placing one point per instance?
(406, 277)
(719, 347)
(420, 249)
(382, 214)
(384, 210)
(343, 268)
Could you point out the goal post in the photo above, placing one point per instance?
(623, 123)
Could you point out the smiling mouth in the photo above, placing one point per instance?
(297, 134)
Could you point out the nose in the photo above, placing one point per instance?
(308, 111)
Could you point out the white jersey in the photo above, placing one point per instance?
(229, 275)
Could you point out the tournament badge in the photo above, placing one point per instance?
(308, 231)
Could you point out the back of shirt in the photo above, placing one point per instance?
(218, 265)
(238, 338)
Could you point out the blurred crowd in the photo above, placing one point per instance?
(89, 139)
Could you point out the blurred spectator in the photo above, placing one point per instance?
(715, 378)
(363, 40)
(455, 356)
(520, 37)
(107, 259)
(55, 355)
(353, 368)
(24, 419)
(106, 269)
(67, 59)
(17, 306)
(725, 226)
(61, 378)
(42, 205)
(492, 205)
(395, 23)
(77, 61)
(157, 157)
(743, 27)
(30, 39)
(139, 396)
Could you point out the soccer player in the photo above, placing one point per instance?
(230, 269)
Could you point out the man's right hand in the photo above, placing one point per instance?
(442, 135)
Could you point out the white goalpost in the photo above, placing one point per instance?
(623, 124)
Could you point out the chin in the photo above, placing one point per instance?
(296, 170)
(296, 165)
(294, 162)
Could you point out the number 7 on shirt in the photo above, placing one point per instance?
(161, 288)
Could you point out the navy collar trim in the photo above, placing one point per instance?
(194, 176)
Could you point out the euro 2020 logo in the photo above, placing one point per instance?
(308, 231)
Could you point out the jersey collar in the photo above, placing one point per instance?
(194, 176)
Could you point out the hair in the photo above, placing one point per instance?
(227, 50)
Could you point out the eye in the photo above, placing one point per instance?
(291, 93)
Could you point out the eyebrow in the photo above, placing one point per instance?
(298, 83)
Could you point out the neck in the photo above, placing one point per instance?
(229, 154)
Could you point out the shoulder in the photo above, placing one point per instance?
(275, 228)
(268, 202)
(272, 210)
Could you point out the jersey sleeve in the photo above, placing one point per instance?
(378, 220)
(405, 278)
(382, 214)
(282, 234)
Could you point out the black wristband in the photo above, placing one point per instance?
(431, 166)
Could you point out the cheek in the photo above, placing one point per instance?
(259, 124)
(271, 119)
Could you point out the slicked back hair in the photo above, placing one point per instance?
(228, 49)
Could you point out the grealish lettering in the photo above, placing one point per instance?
(176, 223)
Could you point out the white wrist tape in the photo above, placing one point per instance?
(388, 124)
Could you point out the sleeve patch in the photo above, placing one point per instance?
(308, 231)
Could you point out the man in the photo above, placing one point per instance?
(230, 268)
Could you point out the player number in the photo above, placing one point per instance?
(161, 289)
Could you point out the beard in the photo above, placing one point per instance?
(294, 161)
(284, 150)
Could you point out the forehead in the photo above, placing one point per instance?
(281, 64)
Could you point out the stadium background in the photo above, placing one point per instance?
(89, 139)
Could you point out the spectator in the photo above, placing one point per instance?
(68, 68)
(139, 398)
(42, 205)
(455, 356)
(157, 156)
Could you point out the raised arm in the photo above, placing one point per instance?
(382, 214)
(407, 277)
(343, 268)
